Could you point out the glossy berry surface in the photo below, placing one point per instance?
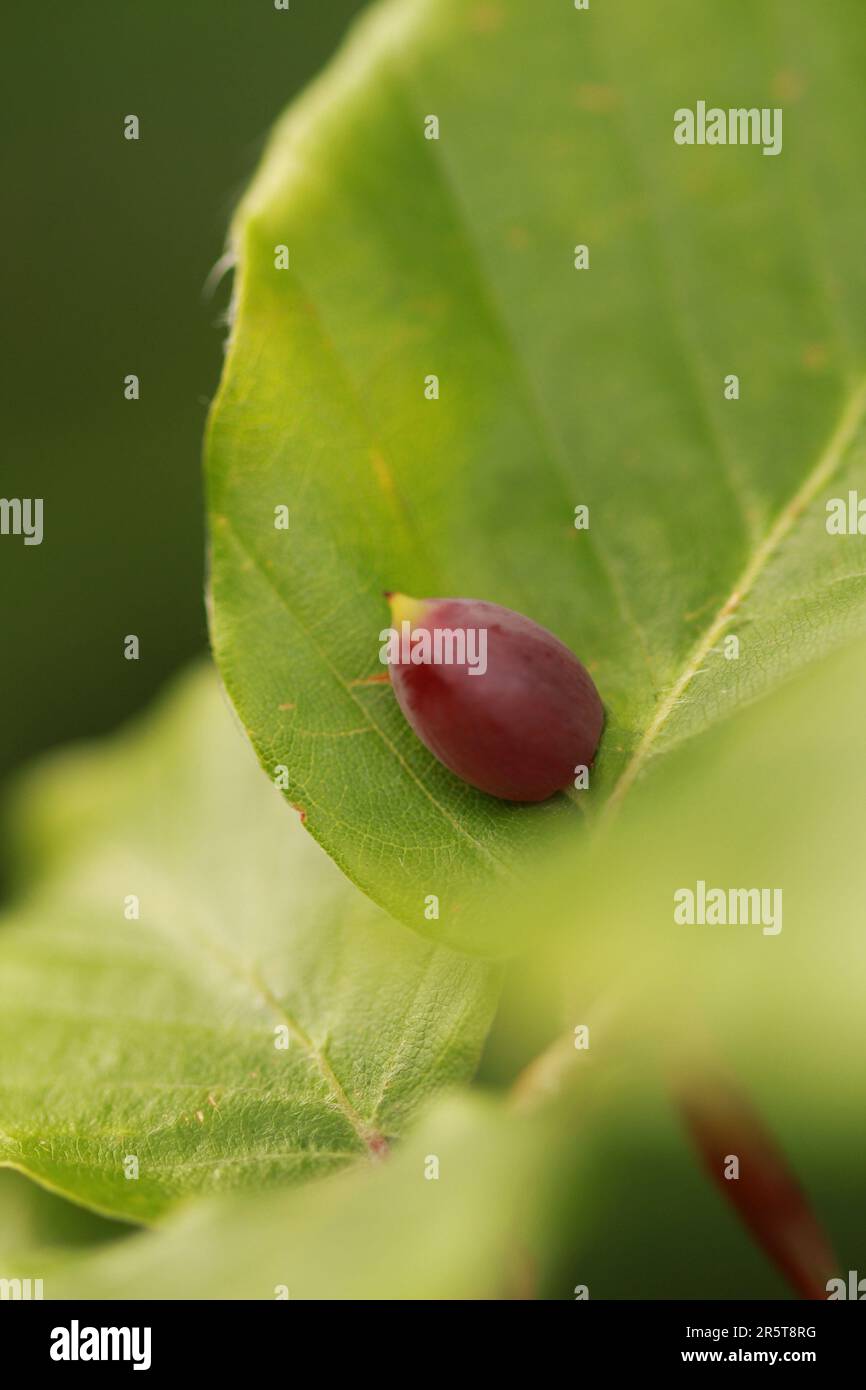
(519, 729)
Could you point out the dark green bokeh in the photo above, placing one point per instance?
(109, 243)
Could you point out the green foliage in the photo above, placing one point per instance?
(408, 257)
(156, 1037)
(558, 387)
(389, 1232)
(771, 801)
(35, 1224)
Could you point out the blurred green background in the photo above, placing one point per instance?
(111, 242)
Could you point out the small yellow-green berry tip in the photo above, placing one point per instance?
(403, 608)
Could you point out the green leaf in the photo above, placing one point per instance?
(388, 1233)
(558, 387)
(157, 1038)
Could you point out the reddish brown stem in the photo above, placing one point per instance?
(767, 1196)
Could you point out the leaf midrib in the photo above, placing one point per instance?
(850, 420)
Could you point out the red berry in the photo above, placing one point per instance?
(514, 717)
